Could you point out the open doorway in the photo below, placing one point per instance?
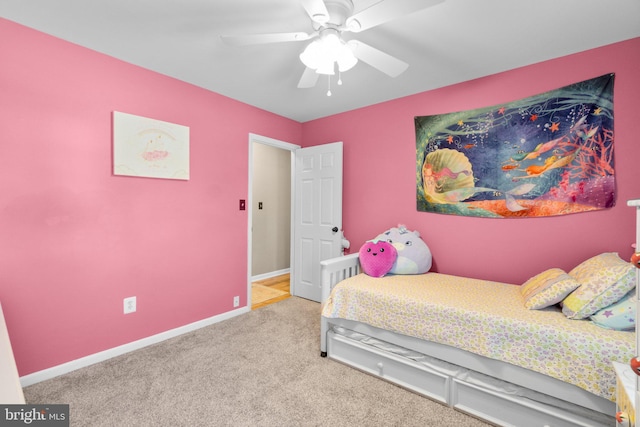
(270, 212)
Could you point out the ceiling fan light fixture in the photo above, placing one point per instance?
(322, 54)
(346, 59)
(327, 68)
(311, 56)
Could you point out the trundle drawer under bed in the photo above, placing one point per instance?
(500, 408)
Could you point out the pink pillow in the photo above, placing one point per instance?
(377, 259)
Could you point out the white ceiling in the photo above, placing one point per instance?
(448, 43)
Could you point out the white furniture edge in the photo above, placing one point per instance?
(10, 388)
(635, 203)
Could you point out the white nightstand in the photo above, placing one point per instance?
(625, 390)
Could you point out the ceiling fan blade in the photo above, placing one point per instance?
(386, 11)
(309, 78)
(317, 10)
(384, 62)
(252, 39)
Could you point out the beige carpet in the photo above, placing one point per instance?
(262, 368)
(260, 293)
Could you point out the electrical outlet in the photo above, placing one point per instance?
(129, 305)
(236, 301)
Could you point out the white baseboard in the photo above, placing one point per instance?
(65, 368)
(270, 274)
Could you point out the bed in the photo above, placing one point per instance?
(473, 346)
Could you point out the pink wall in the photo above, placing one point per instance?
(379, 173)
(75, 240)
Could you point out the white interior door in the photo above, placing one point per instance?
(317, 218)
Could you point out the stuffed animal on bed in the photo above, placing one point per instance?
(414, 256)
(377, 258)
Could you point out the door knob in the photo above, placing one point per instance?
(334, 229)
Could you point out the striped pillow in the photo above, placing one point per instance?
(547, 288)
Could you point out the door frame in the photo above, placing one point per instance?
(292, 149)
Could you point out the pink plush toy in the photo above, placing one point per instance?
(414, 256)
(377, 258)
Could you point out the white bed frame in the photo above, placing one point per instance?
(564, 404)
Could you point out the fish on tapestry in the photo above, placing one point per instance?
(550, 154)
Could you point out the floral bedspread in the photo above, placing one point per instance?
(489, 319)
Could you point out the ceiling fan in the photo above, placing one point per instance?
(328, 50)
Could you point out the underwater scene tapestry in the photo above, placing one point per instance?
(549, 154)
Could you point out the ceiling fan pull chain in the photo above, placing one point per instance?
(339, 77)
(329, 80)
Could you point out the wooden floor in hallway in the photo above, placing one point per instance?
(277, 283)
